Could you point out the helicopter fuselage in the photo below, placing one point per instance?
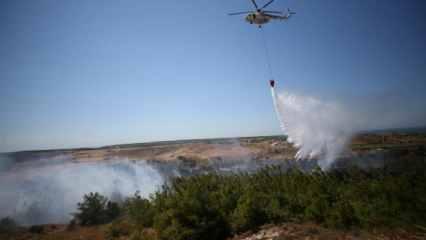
(257, 18)
(262, 16)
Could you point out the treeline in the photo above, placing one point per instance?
(215, 206)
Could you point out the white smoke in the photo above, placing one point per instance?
(5, 162)
(318, 129)
(42, 190)
(47, 191)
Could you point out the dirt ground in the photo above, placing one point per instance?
(257, 148)
(314, 232)
(289, 231)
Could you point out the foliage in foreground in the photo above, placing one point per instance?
(216, 206)
(7, 225)
(96, 209)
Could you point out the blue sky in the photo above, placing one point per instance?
(91, 73)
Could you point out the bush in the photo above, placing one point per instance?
(117, 229)
(146, 235)
(139, 211)
(189, 210)
(71, 225)
(37, 229)
(8, 225)
(215, 206)
(112, 211)
(249, 213)
(96, 209)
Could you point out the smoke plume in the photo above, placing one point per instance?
(48, 190)
(41, 190)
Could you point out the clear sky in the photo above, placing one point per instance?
(91, 73)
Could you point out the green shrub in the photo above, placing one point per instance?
(215, 206)
(145, 235)
(186, 210)
(36, 229)
(112, 211)
(249, 213)
(71, 225)
(8, 225)
(139, 211)
(191, 207)
(96, 209)
(117, 229)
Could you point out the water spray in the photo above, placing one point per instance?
(319, 130)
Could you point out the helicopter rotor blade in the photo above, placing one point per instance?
(239, 13)
(277, 12)
(290, 12)
(267, 4)
(255, 4)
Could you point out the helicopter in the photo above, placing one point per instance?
(261, 16)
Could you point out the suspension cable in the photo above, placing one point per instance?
(268, 62)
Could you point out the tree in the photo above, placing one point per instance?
(8, 225)
(140, 211)
(96, 209)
